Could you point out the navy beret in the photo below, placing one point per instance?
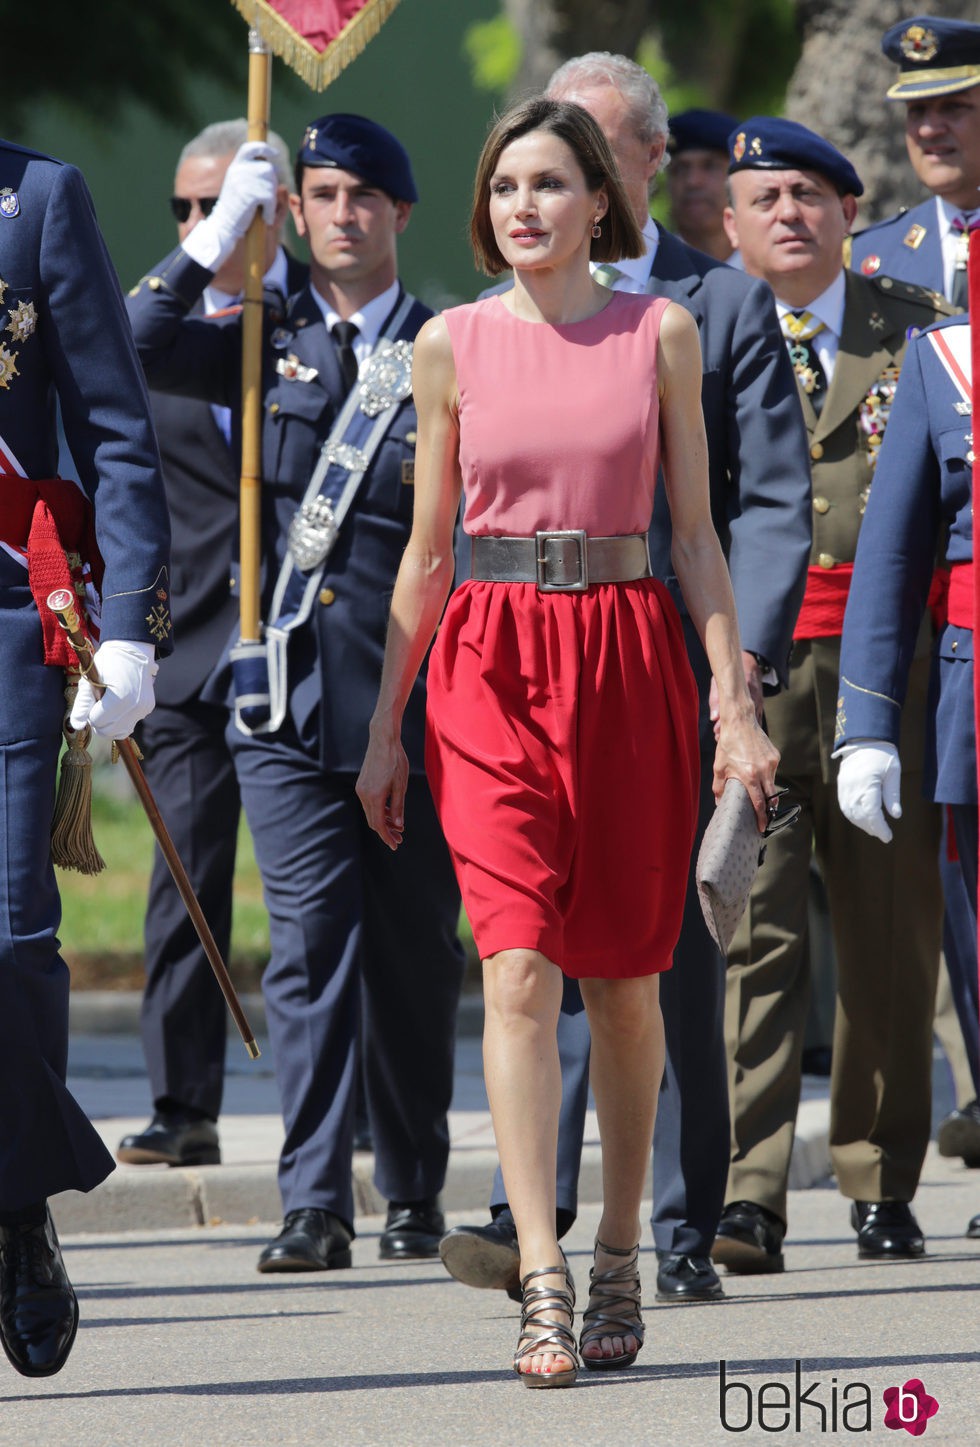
(935, 56)
(769, 143)
(698, 130)
(353, 143)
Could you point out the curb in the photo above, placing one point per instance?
(153, 1198)
(117, 1012)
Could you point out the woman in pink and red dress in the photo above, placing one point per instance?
(562, 747)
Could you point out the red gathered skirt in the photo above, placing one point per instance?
(562, 754)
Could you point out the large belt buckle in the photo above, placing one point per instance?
(311, 533)
(562, 561)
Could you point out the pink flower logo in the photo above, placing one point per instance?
(910, 1407)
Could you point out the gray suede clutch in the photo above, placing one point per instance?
(731, 851)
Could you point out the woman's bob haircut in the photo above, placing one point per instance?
(621, 236)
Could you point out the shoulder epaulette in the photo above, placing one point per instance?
(908, 291)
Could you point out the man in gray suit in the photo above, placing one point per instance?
(760, 500)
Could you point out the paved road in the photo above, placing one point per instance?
(183, 1343)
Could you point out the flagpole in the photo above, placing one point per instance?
(259, 84)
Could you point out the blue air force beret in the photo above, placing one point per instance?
(353, 143)
(698, 130)
(935, 56)
(769, 143)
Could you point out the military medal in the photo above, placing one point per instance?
(311, 533)
(873, 414)
(23, 320)
(9, 203)
(8, 367)
(386, 377)
(293, 369)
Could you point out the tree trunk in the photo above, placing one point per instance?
(554, 30)
(838, 89)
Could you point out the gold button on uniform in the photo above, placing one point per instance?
(327, 595)
(273, 408)
(821, 505)
(816, 451)
(826, 560)
(411, 438)
(154, 283)
(953, 644)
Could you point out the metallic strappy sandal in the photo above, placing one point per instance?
(613, 1309)
(540, 1332)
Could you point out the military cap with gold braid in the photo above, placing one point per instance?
(935, 56)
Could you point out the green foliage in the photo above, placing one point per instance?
(94, 59)
(103, 914)
(493, 48)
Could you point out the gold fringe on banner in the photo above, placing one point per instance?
(318, 68)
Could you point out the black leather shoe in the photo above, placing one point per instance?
(485, 1256)
(38, 1309)
(973, 1230)
(886, 1228)
(412, 1230)
(682, 1279)
(959, 1134)
(310, 1240)
(173, 1138)
(749, 1240)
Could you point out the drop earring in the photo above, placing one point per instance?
(596, 229)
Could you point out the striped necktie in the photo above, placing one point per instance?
(607, 275)
(799, 329)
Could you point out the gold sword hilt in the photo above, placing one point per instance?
(62, 604)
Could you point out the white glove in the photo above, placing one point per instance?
(869, 784)
(250, 184)
(127, 669)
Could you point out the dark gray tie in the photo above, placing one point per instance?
(343, 334)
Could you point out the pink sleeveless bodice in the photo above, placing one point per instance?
(559, 425)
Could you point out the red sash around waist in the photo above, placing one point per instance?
(959, 608)
(48, 518)
(822, 610)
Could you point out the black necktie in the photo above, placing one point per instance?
(960, 226)
(343, 334)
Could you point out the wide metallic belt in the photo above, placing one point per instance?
(566, 561)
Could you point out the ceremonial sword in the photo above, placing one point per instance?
(62, 605)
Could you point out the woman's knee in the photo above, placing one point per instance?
(522, 982)
(624, 1009)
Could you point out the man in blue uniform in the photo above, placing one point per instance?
(924, 491)
(186, 756)
(760, 502)
(939, 82)
(64, 338)
(338, 456)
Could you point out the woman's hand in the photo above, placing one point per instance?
(744, 752)
(381, 786)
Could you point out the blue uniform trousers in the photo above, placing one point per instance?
(691, 1136)
(346, 912)
(183, 1018)
(46, 1143)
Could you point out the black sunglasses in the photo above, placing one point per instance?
(181, 206)
(780, 816)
